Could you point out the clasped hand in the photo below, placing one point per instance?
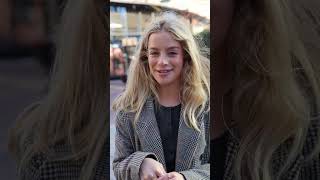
(153, 170)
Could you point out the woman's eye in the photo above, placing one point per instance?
(172, 53)
(154, 53)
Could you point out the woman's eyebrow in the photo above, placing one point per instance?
(153, 48)
(173, 48)
(169, 48)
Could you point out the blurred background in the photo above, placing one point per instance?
(27, 31)
(128, 18)
(26, 54)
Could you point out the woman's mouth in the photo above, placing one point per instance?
(164, 72)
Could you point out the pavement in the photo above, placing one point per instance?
(116, 87)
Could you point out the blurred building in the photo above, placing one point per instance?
(26, 29)
(27, 22)
(128, 19)
(5, 13)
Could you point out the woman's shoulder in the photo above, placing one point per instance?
(28, 110)
(124, 118)
(21, 134)
(61, 163)
(123, 115)
(41, 166)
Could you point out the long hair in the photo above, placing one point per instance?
(274, 82)
(74, 112)
(195, 90)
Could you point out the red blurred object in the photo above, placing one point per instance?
(117, 63)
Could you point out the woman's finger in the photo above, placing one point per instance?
(160, 172)
(153, 177)
(164, 177)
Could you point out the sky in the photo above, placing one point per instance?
(200, 7)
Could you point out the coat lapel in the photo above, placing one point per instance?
(148, 132)
(187, 144)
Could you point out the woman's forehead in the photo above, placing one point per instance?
(162, 39)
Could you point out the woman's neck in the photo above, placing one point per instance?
(169, 95)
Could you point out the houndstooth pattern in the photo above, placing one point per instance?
(136, 141)
(40, 167)
(300, 169)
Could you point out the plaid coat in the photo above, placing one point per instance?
(300, 169)
(41, 167)
(135, 141)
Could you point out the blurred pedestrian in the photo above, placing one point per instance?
(163, 114)
(117, 62)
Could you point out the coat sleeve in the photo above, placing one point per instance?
(127, 160)
(311, 167)
(203, 170)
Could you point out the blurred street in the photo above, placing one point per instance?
(116, 87)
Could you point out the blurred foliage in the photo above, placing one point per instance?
(203, 39)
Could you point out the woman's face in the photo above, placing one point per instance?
(165, 57)
(222, 18)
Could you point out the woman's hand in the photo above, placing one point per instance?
(172, 176)
(151, 169)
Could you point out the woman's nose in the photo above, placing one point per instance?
(163, 59)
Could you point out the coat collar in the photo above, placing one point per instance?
(148, 131)
(149, 136)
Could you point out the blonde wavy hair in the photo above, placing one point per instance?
(276, 84)
(141, 85)
(75, 110)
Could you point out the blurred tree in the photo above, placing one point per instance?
(203, 39)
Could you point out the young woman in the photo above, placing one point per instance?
(65, 135)
(162, 121)
(266, 102)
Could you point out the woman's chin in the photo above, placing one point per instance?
(163, 81)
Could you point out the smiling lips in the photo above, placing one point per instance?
(164, 71)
